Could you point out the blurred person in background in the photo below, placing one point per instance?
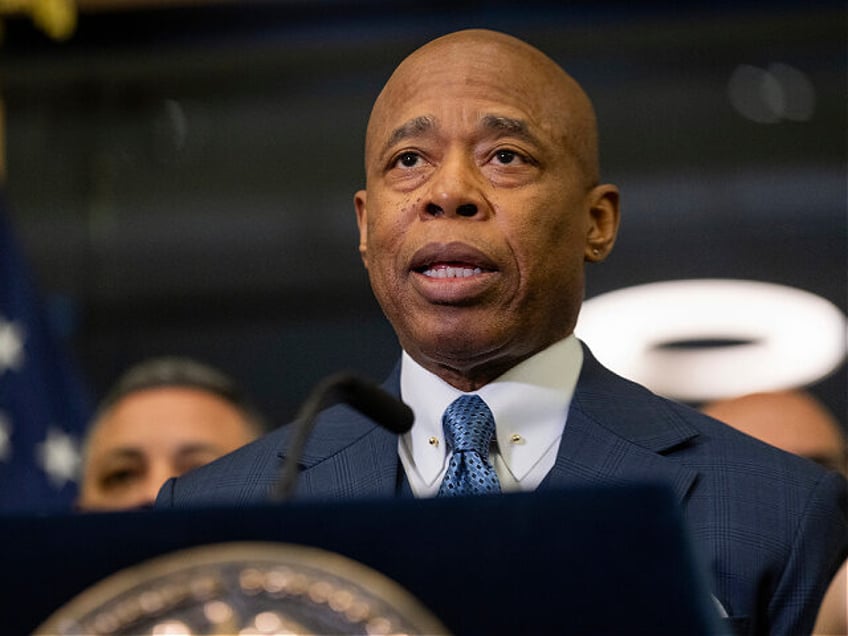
(163, 417)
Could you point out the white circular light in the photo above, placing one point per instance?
(776, 337)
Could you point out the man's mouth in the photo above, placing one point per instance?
(455, 273)
(451, 260)
(444, 270)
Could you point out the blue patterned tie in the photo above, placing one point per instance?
(469, 427)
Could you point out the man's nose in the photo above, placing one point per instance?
(455, 190)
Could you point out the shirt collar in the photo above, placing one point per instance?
(529, 402)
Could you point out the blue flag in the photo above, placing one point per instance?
(43, 406)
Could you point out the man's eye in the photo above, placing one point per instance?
(118, 478)
(408, 159)
(506, 156)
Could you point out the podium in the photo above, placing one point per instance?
(601, 560)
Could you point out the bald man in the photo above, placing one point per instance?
(483, 205)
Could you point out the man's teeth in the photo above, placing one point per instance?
(452, 272)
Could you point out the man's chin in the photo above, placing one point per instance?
(460, 351)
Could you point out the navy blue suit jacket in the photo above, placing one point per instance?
(771, 528)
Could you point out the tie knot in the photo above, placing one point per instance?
(469, 425)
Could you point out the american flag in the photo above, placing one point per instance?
(43, 405)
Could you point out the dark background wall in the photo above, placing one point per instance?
(182, 179)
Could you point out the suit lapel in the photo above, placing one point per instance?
(349, 456)
(618, 432)
(592, 455)
(363, 467)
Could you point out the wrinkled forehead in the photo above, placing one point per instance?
(491, 66)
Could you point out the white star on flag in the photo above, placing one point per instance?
(59, 456)
(5, 435)
(11, 345)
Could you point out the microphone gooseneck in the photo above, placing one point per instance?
(366, 397)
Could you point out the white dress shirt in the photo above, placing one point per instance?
(529, 403)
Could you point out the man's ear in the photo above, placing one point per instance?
(362, 222)
(603, 222)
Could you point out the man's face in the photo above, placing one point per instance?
(152, 435)
(477, 216)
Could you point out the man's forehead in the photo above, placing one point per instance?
(487, 98)
(484, 122)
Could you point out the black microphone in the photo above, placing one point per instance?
(366, 397)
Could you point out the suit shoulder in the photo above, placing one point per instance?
(247, 474)
(715, 438)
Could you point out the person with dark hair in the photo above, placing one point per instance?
(162, 418)
(483, 204)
